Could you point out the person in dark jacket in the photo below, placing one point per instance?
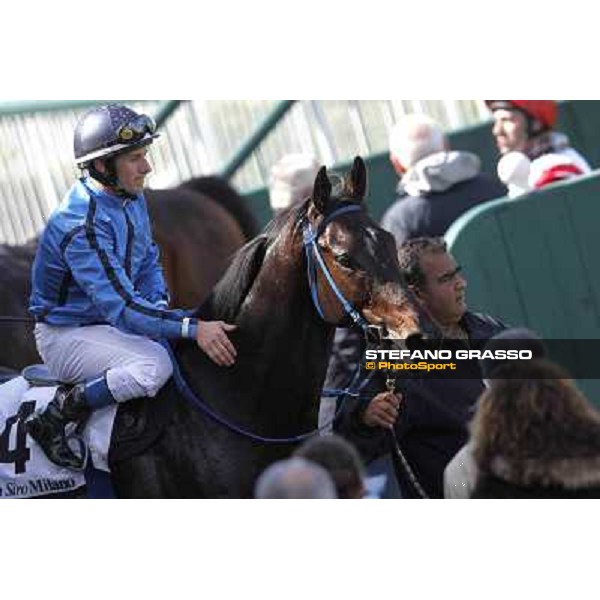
(429, 418)
(437, 185)
(535, 435)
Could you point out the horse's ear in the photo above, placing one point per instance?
(358, 178)
(321, 190)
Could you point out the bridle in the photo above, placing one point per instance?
(314, 260)
(315, 263)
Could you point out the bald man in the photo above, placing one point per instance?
(295, 478)
(436, 185)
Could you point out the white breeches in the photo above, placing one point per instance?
(135, 366)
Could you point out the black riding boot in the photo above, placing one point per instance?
(48, 427)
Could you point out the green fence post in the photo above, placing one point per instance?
(262, 131)
(165, 110)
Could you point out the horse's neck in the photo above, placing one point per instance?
(283, 348)
(278, 313)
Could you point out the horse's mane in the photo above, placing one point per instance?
(228, 295)
(219, 190)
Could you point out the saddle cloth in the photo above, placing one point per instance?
(25, 472)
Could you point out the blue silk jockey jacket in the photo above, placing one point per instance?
(96, 263)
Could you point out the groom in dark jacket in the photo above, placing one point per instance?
(429, 415)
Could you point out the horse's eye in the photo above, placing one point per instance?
(344, 260)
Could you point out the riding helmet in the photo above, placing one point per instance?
(545, 112)
(109, 130)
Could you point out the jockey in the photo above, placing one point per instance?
(526, 126)
(99, 297)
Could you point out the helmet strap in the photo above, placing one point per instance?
(109, 178)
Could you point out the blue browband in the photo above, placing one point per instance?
(314, 258)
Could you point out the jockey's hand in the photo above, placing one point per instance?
(213, 340)
(382, 410)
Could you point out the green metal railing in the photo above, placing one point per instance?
(164, 111)
(254, 141)
(22, 107)
(198, 137)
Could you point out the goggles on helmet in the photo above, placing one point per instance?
(135, 130)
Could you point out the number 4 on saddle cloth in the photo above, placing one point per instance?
(25, 472)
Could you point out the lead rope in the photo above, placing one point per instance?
(390, 384)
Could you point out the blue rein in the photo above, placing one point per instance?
(314, 259)
(189, 394)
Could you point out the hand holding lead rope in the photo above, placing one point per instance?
(383, 410)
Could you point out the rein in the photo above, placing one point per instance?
(187, 392)
(314, 261)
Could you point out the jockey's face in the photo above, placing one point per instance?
(510, 130)
(443, 294)
(132, 169)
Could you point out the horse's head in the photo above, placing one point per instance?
(360, 259)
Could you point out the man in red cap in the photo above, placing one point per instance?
(526, 126)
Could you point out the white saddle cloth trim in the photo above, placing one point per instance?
(40, 476)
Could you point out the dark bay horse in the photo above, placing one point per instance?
(203, 222)
(285, 329)
(17, 346)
